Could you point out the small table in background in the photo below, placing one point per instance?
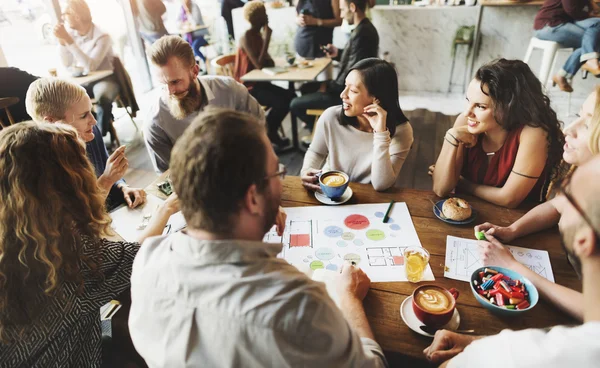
(91, 77)
(293, 75)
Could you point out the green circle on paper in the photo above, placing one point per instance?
(315, 265)
(347, 236)
(375, 235)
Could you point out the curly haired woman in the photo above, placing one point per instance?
(56, 269)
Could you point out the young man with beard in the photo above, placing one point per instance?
(185, 95)
(363, 43)
(215, 295)
(559, 346)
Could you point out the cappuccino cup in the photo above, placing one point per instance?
(333, 183)
(434, 305)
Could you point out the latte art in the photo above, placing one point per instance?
(433, 300)
(334, 180)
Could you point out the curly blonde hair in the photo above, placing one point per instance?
(50, 201)
(254, 12)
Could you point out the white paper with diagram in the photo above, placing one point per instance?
(326, 236)
(462, 259)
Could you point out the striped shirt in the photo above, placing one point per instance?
(67, 332)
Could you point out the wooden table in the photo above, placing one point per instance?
(293, 75)
(382, 304)
(91, 77)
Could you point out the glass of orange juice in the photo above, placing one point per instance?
(415, 263)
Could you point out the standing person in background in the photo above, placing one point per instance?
(149, 15)
(575, 24)
(316, 20)
(89, 47)
(253, 54)
(190, 14)
(226, 7)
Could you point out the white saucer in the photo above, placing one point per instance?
(411, 320)
(326, 200)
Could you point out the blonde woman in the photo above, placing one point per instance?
(54, 100)
(582, 143)
(56, 270)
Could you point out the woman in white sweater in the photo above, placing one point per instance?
(368, 137)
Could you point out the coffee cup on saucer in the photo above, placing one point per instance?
(76, 71)
(333, 183)
(434, 305)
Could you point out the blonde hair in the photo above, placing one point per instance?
(80, 9)
(594, 142)
(52, 97)
(168, 46)
(50, 202)
(252, 11)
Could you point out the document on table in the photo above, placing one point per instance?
(462, 259)
(129, 223)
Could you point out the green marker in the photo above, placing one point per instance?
(480, 235)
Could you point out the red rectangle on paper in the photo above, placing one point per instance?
(299, 240)
(398, 260)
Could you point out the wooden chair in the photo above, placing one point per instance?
(317, 114)
(5, 103)
(224, 65)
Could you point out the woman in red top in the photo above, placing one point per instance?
(508, 142)
(253, 54)
(571, 23)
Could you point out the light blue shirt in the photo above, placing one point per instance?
(235, 304)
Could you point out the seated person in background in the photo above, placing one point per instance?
(57, 269)
(363, 43)
(574, 24)
(185, 95)
(220, 293)
(191, 15)
(14, 84)
(253, 54)
(89, 47)
(368, 137)
(583, 142)
(316, 21)
(54, 100)
(507, 145)
(559, 346)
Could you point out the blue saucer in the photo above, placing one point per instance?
(438, 208)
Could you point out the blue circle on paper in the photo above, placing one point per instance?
(341, 243)
(332, 267)
(390, 220)
(333, 231)
(379, 214)
(395, 227)
(325, 254)
(358, 242)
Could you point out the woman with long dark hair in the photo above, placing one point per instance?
(56, 268)
(508, 143)
(368, 137)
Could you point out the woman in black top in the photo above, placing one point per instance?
(316, 21)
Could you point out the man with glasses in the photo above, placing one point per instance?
(215, 295)
(560, 346)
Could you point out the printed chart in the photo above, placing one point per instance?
(462, 259)
(323, 237)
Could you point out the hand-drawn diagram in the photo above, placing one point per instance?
(325, 237)
(462, 259)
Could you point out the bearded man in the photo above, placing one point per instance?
(184, 96)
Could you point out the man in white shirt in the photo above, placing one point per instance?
(215, 295)
(87, 46)
(185, 95)
(560, 346)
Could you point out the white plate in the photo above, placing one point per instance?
(411, 320)
(304, 66)
(326, 200)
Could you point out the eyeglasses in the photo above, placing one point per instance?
(564, 190)
(280, 172)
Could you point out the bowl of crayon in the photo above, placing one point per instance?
(503, 291)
